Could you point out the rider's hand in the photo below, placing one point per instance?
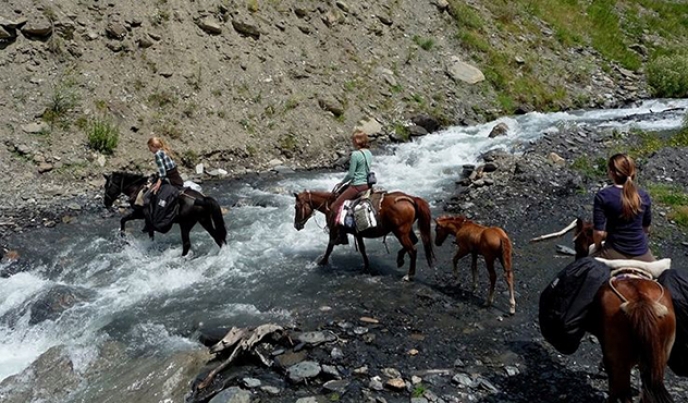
(156, 186)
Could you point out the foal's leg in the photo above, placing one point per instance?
(489, 262)
(509, 277)
(455, 261)
(474, 270)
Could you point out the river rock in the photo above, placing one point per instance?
(302, 371)
(232, 395)
(338, 386)
(500, 129)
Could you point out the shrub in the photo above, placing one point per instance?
(103, 135)
(668, 76)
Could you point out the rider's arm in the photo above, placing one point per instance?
(599, 221)
(352, 168)
(162, 171)
(647, 216)
(598, 237)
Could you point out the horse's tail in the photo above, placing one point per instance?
(424, 224)
(645, 315)
(220, 234)
(506, 251)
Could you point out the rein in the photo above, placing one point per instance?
(313, 210)
(122, 187)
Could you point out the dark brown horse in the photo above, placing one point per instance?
(193, 208)
(490, 242)
(635, 322)
(397, 214)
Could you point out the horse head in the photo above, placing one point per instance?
(445, 225)
(582, 238)
(112, 189)
(304, 210)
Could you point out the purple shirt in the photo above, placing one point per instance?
(624, 235)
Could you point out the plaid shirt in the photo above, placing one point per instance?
(164, 163)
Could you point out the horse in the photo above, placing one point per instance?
(397, 213)
(490, 242)
(194, 208)
(634, 320)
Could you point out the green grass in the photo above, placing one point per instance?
(424, 43)
(103, 135)
(591, 170)
(668, 76)
(673, 197)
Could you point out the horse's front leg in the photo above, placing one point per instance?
(361, 247)
(326, 257)
(134, 215)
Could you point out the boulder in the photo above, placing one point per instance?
(500, 129)
(461, 71)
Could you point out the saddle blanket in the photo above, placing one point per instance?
(362, 213)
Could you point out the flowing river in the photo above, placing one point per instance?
(143, 295)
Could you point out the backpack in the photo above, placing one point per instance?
(566, 301)
(161, 209)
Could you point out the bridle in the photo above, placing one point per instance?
(120, 190)
(313, 209)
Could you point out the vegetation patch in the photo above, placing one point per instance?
(673, 197)
(424, 43)
(62, 101)
(103, 135)
(590, 169)
(668, 76)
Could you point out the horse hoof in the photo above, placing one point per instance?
(512, 311)
(407, 278)
(322, 262)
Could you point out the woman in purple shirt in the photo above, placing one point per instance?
(622, 215)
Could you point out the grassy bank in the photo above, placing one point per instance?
(636, 35)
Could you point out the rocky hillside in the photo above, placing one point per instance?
(252, 84)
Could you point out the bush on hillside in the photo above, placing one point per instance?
(103, 136)
(668, 76)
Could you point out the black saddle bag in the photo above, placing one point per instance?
(161, 209)
(565, 303)
(676, 281)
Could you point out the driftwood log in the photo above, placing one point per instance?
(241, 340)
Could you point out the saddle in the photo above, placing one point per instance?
(637, 268)
(363, 212)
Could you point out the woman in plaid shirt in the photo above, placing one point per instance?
(167, 169)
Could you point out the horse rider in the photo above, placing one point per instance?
(359, 166)
(622, 214)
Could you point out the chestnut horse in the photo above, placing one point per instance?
(634, 320)
(490, 242)
(397, 213)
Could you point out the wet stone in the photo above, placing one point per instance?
(270, 389)
(391, 373)
(337, 353)
(375, 383)
(396, 383)
(330, 371)
(338, 386)
(315, 338)
(232, 395)
(288, 359)
(302, 371)
(360, 330)
(251, 382)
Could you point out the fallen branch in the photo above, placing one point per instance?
(555, 234)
